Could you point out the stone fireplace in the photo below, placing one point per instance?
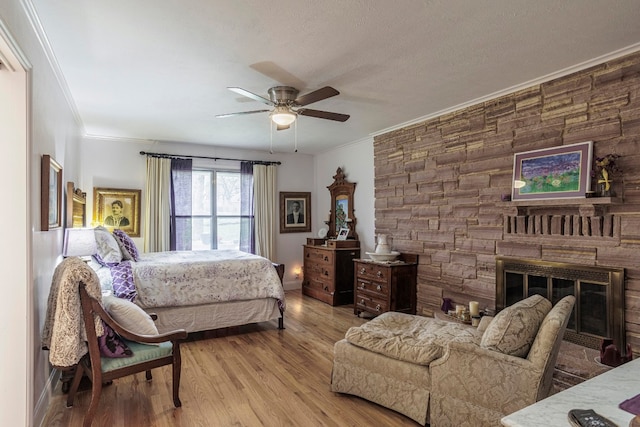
(599, 292)
(442, 185)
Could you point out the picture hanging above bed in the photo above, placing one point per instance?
(117, 209)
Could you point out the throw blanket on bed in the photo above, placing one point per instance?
(64, 333)
(175, 278)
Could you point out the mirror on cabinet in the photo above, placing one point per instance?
(341, 216)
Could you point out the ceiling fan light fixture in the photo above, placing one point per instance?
(283, 116)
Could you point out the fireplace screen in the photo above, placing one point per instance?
(599, 292)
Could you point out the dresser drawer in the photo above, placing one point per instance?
(372, 272)
(319, 269)
(320, 256)
(374, 288)
(365, 302)
(319, 284)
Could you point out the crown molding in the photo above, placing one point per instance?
(41, 35)
(557, 74)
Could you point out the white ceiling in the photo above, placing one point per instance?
(159, 69)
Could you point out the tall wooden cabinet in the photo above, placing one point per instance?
(328, 271)
(381, 287)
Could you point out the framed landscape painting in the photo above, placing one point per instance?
(51, 194)
(552, 173)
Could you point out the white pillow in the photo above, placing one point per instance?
(129, 315)
(108, 247)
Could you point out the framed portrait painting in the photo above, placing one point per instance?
(50, 194)
(295, 212)
(552, 173)
(117, 208)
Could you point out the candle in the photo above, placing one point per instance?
(474, 308)
(459, 309)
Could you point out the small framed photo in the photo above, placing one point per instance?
(117, 208)
(295, 212)
(343, 233)
(50, 194)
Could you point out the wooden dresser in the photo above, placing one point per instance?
(381, 287)
(328, 271)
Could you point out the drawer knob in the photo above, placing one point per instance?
(362, 302)
(379, 288)
(378, 307)
(361, 285)
(363, 270)
(379, 273)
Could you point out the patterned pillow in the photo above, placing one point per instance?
(127, 245)
(108, 248)
(111, 345)
(122, 281)
(513, 330)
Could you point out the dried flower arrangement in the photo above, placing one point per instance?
(604, 168)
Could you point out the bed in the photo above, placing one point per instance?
(191, 290)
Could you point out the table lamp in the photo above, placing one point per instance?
(80, 242)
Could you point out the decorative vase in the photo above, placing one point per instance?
(382, 246)
(604, 184)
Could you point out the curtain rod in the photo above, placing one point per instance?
(175, 156)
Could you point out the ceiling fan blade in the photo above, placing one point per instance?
(324, 115)
(220, 116)
(251, 95)
(316, 95)
(282, 127)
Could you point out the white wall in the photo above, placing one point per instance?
(52, 130)
(356, 161)
(15, 347)
(118, 164)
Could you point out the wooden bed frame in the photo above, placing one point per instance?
(76, 217)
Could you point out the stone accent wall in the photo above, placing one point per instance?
(438, 186)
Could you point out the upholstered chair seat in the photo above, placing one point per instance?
(450, 374)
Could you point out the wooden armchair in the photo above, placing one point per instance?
(99, 370)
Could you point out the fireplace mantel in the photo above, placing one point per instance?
(575, 218)
(590, 201)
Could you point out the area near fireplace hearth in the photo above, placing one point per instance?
(439, 186)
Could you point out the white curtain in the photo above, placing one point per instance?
(265, 209)
(157, 198)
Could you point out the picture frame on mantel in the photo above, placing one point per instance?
(562, 172)
(50, 194)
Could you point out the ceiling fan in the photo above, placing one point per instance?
(288, 105)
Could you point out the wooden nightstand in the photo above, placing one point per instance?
(388, 286)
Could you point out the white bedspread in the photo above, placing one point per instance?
(169, 279)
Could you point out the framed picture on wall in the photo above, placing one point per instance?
(117, 208)
(50, 194)
(295, 212)
(552, 173)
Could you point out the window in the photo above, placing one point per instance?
(215, 209)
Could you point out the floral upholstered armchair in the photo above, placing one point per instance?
(448, 374)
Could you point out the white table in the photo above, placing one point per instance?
(602, 394)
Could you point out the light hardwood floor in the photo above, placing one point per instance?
(256, 375)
